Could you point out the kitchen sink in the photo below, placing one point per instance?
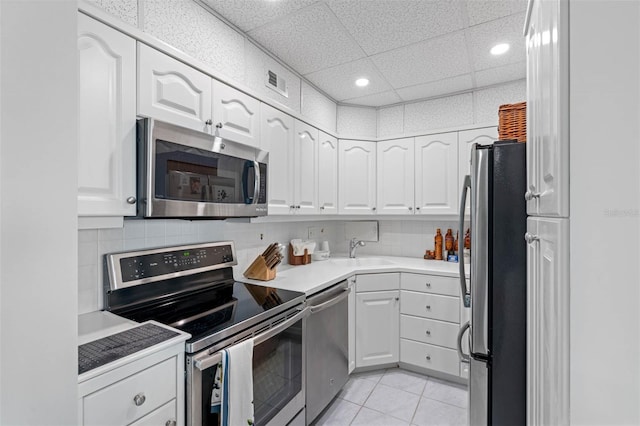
(365, 261)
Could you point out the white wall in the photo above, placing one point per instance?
(357, 122)
(38, 265)
(605, 212)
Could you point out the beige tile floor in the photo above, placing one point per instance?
(397, 397)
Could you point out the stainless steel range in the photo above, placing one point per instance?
(192, 288)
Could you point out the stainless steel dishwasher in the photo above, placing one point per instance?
(327, 347)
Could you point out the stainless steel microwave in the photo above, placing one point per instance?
(183, 173)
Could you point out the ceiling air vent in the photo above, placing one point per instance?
(276, 83)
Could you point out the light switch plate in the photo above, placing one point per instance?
(364, 230)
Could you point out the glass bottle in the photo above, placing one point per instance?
(438, 243)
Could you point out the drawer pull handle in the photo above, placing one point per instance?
(428, 332)
(139, 399)
(170, 423)
(428, 357)
(428, 285)
(428, 307)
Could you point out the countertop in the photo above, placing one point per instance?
(318, 275)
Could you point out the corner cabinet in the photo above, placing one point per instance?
(436, 178)
(327, 173)
(278, 133)
(236, 116)
(106, 120)
(356, 177)
(395, 176)
(172, 91)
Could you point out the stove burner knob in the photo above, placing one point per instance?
(139, 399)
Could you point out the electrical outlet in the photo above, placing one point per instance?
(315, 233)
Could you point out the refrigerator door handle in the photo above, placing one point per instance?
(463, 357)
(466, 295)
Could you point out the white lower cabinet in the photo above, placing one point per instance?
(430, 356)
(164, 415)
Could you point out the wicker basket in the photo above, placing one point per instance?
(513, 121)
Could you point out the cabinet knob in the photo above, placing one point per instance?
(397, 298)
(209, 122)
(530, 238)
(410, 208)
(417, 208)
(321, 207)
(531, 193)
(428, 307)
(139, 399)
(428, 285)
(428, 357)
(292, 206)
(170, 423)
(373, 208)
(131, 200)
(428, 332)
(219, 126)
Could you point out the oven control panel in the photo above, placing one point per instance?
(158, 263)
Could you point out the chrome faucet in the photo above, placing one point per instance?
(353, 245)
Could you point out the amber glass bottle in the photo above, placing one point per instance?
(438, 243)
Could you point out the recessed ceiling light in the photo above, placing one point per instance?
(499, 49)
(361, 82)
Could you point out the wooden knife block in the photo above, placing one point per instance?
(258, 270)
(298, 260)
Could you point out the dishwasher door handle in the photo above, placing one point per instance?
(329, 303)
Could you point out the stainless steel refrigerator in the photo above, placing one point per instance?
(498, 284)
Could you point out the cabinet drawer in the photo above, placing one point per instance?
(445, 308)
(377, 282)
(115, 404)
(429, 356)
(449, 286)
(429, 331)
(162, 416)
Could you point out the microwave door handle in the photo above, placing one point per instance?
(256, 183)
(466, 294)
(203, 364)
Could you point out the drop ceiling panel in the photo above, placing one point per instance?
(339, 81)
(250, 14)
(436, 88)
(483, 37)
(382, 25)
(502, 74)
(424, 62)
(309, 40)
(480, 11)
(375, 100)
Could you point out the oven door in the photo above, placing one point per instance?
(278, 375)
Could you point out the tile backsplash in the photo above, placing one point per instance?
(409, 238)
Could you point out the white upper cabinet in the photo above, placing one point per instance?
(106, 120)
(356, 177)
(436, 181)
(172, 91)
(395, 176)
(278, 139)
(236, 116)
(547, 110)
(327, 174)
(305, 180)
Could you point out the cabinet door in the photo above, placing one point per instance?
(172, 91)
(356, 177)
(547, 321)
(236, 116)
(548, 111)
(277, 139)
(377, 328)
(437, 189)
(352, 324)
(327, 174)
(395, 176)
(466, 139)
(106, 120)
(306, 168)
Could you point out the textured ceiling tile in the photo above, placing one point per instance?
(382, 25)
(339, 81)
(250, 14)
(503, 74)
(480, 11)
(488, 101)
(436, 88)
(375, 100)
(192, 29)
(482, 38)
(127, 10)
(309, 40)
(430, 60)
(440, 113)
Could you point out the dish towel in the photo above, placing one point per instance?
(237, 385)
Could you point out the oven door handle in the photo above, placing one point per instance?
(210, 361)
